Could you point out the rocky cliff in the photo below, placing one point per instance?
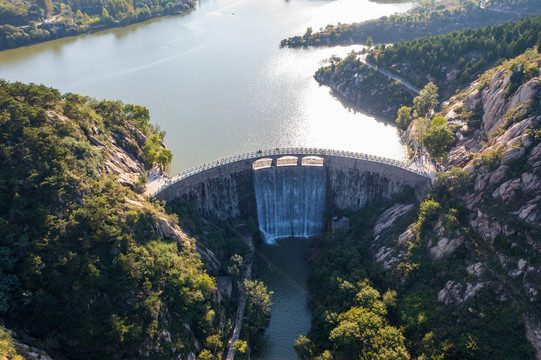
(492, 176)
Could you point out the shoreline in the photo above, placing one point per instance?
(75, 32)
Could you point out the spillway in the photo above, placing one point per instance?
(290, 201)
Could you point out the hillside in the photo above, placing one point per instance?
(457, 276)
(425, 19)
(450, 61)
(88, 267)
(24, 22)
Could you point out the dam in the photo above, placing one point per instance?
(290, 190)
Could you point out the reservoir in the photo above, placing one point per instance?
(216, 80)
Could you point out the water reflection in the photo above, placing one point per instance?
(216, 80)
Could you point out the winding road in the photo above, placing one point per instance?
(403, 82)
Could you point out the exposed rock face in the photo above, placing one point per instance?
(169, 231)
(32, 353)
(225, 286)
(476, 269)
(456, 293)
(513, 141)
(391, 255)
(445, 247)
(533, 333)
(493, 100)
(505, 166)
(390, 215)
(123, 154)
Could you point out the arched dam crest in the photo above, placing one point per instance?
(289, 190)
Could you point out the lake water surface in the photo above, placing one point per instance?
(216, 80)
(218, 83)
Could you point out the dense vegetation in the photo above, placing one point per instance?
(367, 87)
(423, 20)
(24, 22)
(231, 248)
(455, 59)
(83, 267)
(449, 61)
(7, 348)
(405, 304)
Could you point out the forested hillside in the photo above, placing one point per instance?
(455, 59)
(458, 275)
(24, 22)
(425, 19)
(88, 267)
(450, 61)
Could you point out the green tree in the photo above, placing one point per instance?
(156, 153)
(308, 33)
(7, 348)
(362, 332)
(420, 128)
(47, 6)
(234, 269)
(240, 347)
(404, 116)
(426, 101)
(205, 355)
(259, 302)
(369, 42)
(303, 348)
(105, 17)
(438, 138)
(214, 343)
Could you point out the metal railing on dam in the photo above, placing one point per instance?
(287, 151)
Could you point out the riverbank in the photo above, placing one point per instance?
(67, 24)
(365, 86)
(422, 20)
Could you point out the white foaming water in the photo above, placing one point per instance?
(290, 201)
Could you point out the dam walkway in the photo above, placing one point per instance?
(157, 185)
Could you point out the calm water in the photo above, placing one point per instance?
(284, 270)
(216, 80)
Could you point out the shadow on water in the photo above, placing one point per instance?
(285, 271)
(354, 108)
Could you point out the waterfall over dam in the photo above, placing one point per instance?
(289, 191)
(290, 201)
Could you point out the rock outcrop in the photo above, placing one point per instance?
(498, 147)
(122, 152)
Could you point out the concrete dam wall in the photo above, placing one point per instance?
(288, 192)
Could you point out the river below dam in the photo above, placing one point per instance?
(216, 80)
(284, 270)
